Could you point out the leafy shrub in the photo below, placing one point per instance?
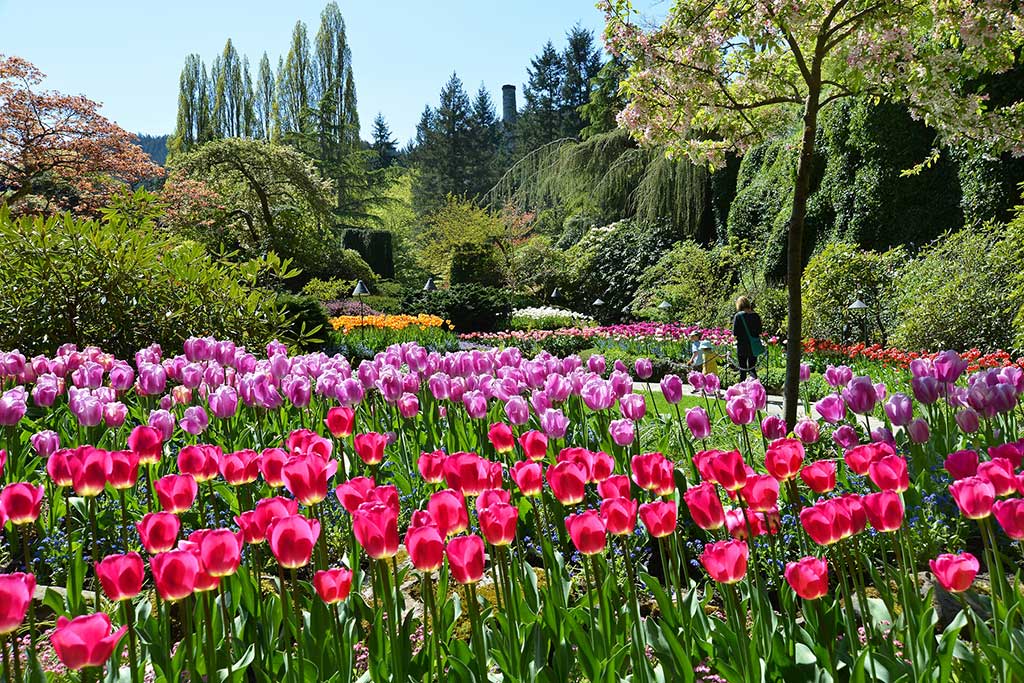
(690, 278)
(374, 248)
(307, 315)
(328, 290)
(475, 263)
(954, 295)
(841, 273)
(470, 307)
(92, 282)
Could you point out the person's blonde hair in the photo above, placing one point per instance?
(743, 303)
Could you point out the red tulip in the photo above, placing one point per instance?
(784, 458)
(962, 464)
(567, 481)
(466, 558)
(808, 577)
(659, 518)
(614, 487)
(85, 641)
(308, 442)
(498, 523)
(16, 592)
(529, 477)
(221, 551)
(205, 581)
(148, 442)
(653, 472)
(272, 461)
(370, 447)
(121, 576)
(854, 506)
(490, 497)
(974, 496)
(240, 467)
(176, 492)
(353, 492)
(124, 469)
(159, 531)
(761, 492)
(21, 502)
(333, 585)
(305, 476)
(175, 573)
(884, 510)
(725, 561)
(999, 473)
(469, 474)
(431, 466)
(826, 522)
(448, 510)
(534, 444)
(740, 524)
(602, 466)
(619, 515)
(376, 528)
(425, 546)
(955, 573)
(250, 530)
(820, 476)
(60, 466)
(201, 461)
(587, 532)
(1010, 515)
(1014, 452)
(90, 477)
(268, 511)
(729, 470)
(501, 437)
(292, 539)
(890, 473)
(860, 457)
(339, 421)
(705, 506)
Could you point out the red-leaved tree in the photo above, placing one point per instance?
(57, 151)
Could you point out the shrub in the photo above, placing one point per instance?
(546, 318)
(92, 282)
(374, 247)
(841, 273)
(470, 307)
(690, 278)
(954, 295)
(475, 263)
(308, 318)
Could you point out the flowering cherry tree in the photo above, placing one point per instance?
(52, 139)
(719, 76)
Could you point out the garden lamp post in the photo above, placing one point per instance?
(360, 291)
(860, 310)
(555, 294)
(430, 286)
(665, 307)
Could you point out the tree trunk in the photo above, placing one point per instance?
(794, 255)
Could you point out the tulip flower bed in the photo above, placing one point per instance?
(479, 515)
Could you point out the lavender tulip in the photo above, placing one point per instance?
(622, 431)
(807, 431)
(773, 427)
(918, 431)
(517, 410)
(672, 388)
(740, 410)
(643, 368)
(554, 423)
(845, 436)
(900, 409)
(967, 420)
(698, 423)
(13, 406)
(163, 421)
(45, 443)
(926, 389)
(633, 407)
(860, 396)
(223, 402)
(831, 408)
(948, 367)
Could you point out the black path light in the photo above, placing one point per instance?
(430, 286)
(360, 291)
(860, 310)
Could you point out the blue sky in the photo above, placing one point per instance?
(127, 55)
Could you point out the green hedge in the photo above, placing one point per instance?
(376, 248)
(470, 307)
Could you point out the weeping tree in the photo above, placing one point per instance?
(719, 76)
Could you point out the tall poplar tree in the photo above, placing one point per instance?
(229, 94)
(263, 100)
(295, 85)
(194, 111)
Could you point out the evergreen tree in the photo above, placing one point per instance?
(332, 76)
(444, 137)
(263, 101)
(384, 147)
(193, 126)
(229, 94)
(540, 122)
(582, 62)
(484, 144)
(295, 85)
(606, 100)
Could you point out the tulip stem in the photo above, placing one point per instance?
(95, 547)
(6, 659)
(336, 613)
(398, 614)
(23, 537)
(478, 634)
(72, 587)
(283, 594)
(590, 591)
(129, 620)
(211, 645)
(124, 520)
(187, 637)
(639, 643)
(298, 626)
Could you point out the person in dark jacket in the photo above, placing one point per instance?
(745, 324)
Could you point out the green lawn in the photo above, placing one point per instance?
(664, 407)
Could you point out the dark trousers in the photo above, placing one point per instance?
(747, 364)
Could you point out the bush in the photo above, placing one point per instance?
(475, 263)
(92, 282)
(374, 247)
(307, 315)
(841, 273)
(690, 278)
(954, 296)
(470, 307)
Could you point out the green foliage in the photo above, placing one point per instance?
(306, 313)
(954, 295)
(475, 263)
(841, 273)
(470, 307)
(91, 282)
(328, 290)
(690, 278)
(538, 266)
(458, 224)
(375, 249)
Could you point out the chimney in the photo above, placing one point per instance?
(508, 106)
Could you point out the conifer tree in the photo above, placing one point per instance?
(540, 121)
(383, 145)
(484, 144)
(444, 136)
(193, 126)
(582, 62)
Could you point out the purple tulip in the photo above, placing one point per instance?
(351, 391)
(195, 420)
(948, 367)
(163, 421)
(389, 383)
(926, 389)
(476, 404)
(12, 363)
(439, 384)
(805, 372)
(557, 388)
(622, 432)
(619, 366)
(838, 375)
(191, 375)
(921, 367)
(408, 406)
(698, 423)
(86, 408)
(298, 390)
(633, 407)
(596, 363)
(671, 388)
(967, 420)
(900, 409)
(554, 423)
(711, 385)
(773, 427)
(918, 431)
(45, 443)
(540, 401)
(122, 377)
(13, 406)
(696, 380)
(881, 391)
(643, 368)
(517, 410)
(223, 402)
(740, 410)
(845, 436)
(88, 375)
(597, 394)
(807, 431)
(152, 379)
(114, 414)
(1004, 398)
(44, 394)
(860, 396)
(883, 435)
(621, 383)
(832, 408)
